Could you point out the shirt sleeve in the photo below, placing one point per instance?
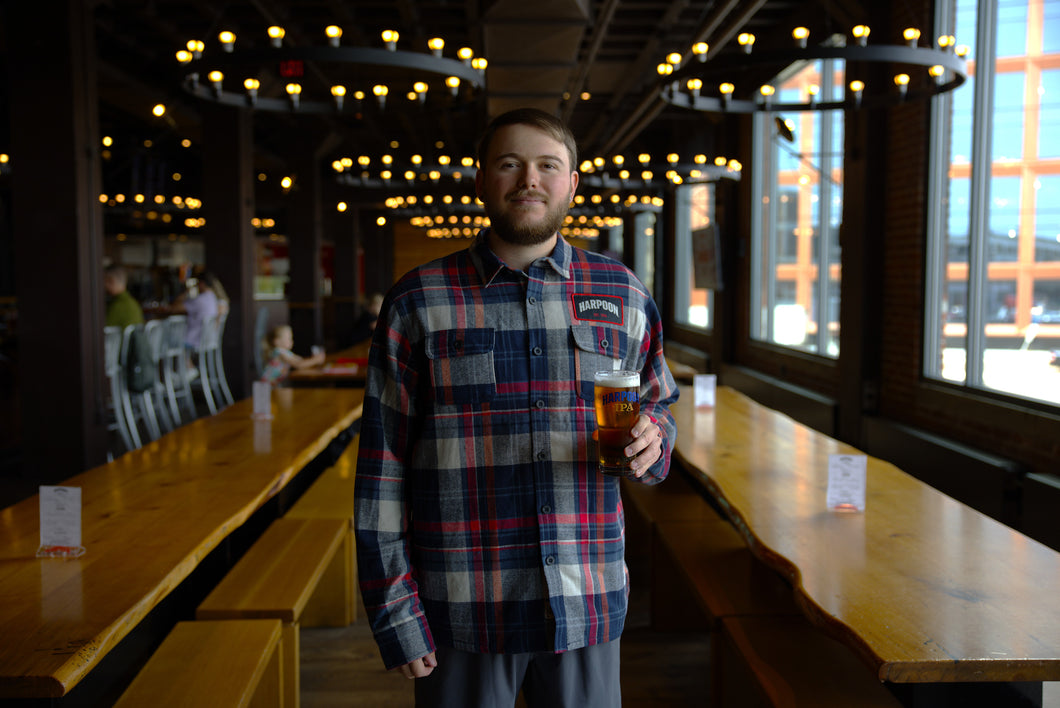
(658, 392)
(388, 583)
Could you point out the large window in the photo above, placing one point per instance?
(798, 190)
(697, 270)
(994, 250)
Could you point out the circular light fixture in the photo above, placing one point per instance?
(404, 71)
(920, 73)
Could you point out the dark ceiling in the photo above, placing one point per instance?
(543, 53)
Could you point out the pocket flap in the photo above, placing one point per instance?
(459, 342)
(599, 339)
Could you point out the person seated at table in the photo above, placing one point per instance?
(199, 307)
(364, 327)
(279, 357)
(122, 307)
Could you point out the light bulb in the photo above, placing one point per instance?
(276, 34)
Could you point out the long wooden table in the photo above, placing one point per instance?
(923, 588)
(148, 519)
(342, 368)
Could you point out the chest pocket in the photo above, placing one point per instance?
(598, 348)
(461, 362)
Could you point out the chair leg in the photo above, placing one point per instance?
(226, 392)
(148, 413)
(130, 419)
(120, 419)
(170, 393)
(161, 407)
(186, 397)
(204, 382)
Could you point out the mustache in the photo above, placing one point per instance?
(526, 194)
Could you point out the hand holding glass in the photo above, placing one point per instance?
(617, 399)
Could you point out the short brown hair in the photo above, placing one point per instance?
(545, 122)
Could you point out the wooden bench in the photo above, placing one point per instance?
(331, 497)
(706, 564)
(704, 576)
(673, 498)
(696, 559)
(224, 663)
(299, 568)
(784, 662)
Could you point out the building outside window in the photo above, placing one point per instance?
(994, 232)
(696, 245)
(798, 185)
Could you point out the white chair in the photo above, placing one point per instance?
(220, 382)
(112, 339)
(155, 332)
(175, 370)
(207, 343)
(138, 400)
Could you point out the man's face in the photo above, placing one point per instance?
(112, 285)
(526, 182)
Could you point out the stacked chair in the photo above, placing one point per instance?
(167, 399)
(155, 332)
(138, 405)
(175, 378)
(118, 420)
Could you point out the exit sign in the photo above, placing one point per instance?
(291, 69)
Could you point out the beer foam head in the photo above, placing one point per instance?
(618, 379)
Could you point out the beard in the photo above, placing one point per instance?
(520, 232)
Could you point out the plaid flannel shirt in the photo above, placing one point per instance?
(482, 523)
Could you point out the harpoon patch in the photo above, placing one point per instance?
(599, 308)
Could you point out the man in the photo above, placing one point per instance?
(122, 308)
(491, 550)
(198, 309)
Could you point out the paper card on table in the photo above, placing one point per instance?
(263, 436)
(60, 522)
(846, 482)
(705, 388)
(262, 400)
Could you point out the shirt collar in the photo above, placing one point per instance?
(488, 265)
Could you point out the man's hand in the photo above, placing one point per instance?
(420, 667)
(646, 448)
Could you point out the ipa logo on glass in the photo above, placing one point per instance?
(617, 399)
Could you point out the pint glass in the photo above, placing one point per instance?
(617, 399)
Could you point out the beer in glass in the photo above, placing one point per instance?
(617, 399)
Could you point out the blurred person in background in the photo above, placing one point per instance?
(122, 307)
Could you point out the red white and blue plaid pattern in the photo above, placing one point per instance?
(482, 522)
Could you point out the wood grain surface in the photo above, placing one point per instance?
(148, 519)
(922, 587)
(347, 366)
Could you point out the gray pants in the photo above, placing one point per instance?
(582, 678)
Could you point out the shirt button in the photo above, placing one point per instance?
(533, 301)
(537, 351)
(550, 560)
(546, 509)
(540, 404)
(541, 455)
(604, 344)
